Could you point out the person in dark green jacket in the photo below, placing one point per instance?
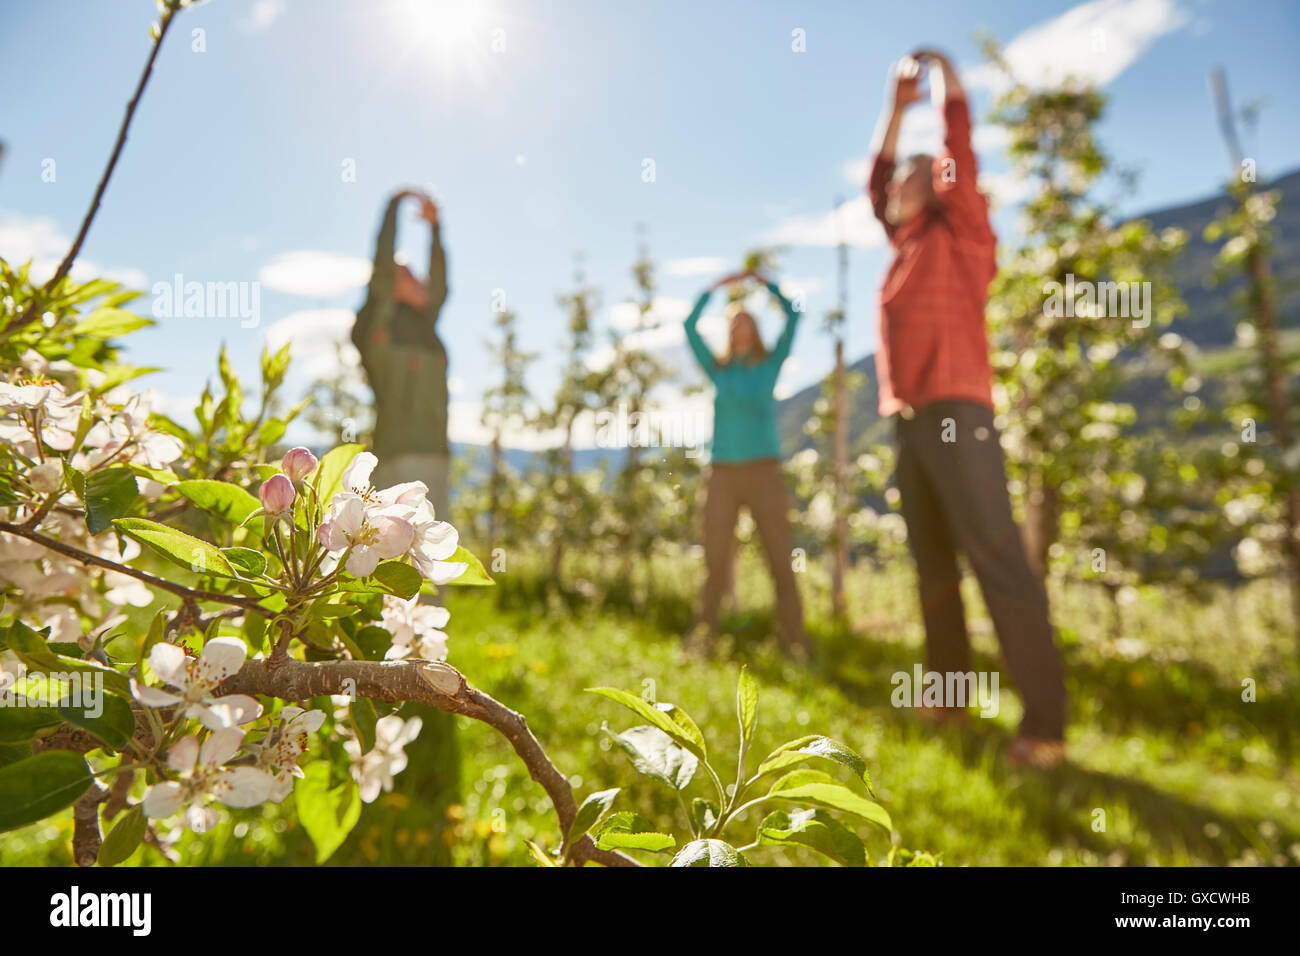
(745, 466)
(405, 361)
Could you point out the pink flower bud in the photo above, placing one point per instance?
(298, 463)
(277, 494)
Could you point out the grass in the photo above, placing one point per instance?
(1169, 765)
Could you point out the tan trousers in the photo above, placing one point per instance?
(432, 469)
(758, 486)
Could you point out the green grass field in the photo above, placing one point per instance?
(1161, 742)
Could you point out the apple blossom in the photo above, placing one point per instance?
(298, 463)
(279, 750)
(196, 679)
(202, 777)
(375, 769)
(416, 629)
(277, 495)
(370, 535)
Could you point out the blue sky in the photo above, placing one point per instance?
(233, 170)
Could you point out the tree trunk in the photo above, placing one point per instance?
(1042, 506)
(840, 554)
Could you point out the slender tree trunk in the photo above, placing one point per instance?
(494, 493)
(1042, 514)
(840, 554)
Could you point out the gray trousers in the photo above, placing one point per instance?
(954, 497)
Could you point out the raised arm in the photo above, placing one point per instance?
(702, 353)
(782, 348)
(904, 82)
(437, 259)
(384, 273)
(956, 183)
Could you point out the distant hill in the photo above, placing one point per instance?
(1209, 323)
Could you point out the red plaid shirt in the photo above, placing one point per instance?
(933, 343)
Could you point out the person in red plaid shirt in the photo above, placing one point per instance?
(935, 380)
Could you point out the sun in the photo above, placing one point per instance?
(454, 39)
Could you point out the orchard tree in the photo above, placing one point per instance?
(1265, 409)
(1079, 299)
(505, 407)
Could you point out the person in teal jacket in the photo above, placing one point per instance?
(745, 467)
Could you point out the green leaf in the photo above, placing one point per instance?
(815, 829)
(746, 705)
(475, 574)
(820, 789)
(164, 476)
(40, 785)
(329, 473)
(272, 431)
(656, 755)
(398, 578)
(249, 563)
(274, 365)
(114, 724)
(540, 855)
(125, 836)
(674, 722)
(12, 753)
(631, 831)
(704, 814)
(40, 656)
(364, 719)
(109, 323)
(189, 552)
(814, 745)
(327, 815)
(229, 502)
(108, 494)
(589, 813)
(326, 611)
(373, 641)
(20, 724)
(708, 853)
(157, 629)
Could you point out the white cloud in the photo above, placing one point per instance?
(1095, 42)
(697, 266)
(262, 14)
(1004, 188)
(39, 239)
(855, 222)
(314, 335)
(315, 274)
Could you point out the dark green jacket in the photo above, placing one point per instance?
(401, 353)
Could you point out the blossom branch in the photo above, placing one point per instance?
(85, 557)
(438, 685)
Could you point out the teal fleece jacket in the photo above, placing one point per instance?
(744, 409)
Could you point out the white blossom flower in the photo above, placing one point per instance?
(278, 751)
(416, 629)
(375, 769)
(432, 541)
(196, 679)
(202, 777)
(371, 535)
